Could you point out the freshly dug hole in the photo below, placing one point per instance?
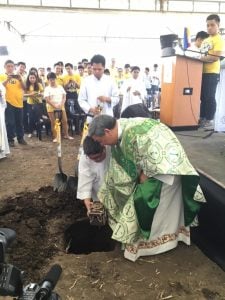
(83, 238)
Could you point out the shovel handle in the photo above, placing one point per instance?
(58, 114)
(59, 154)
(59, 146)
(60, 165)
(59, 150)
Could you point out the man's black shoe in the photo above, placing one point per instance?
(22, 142)
(11, 144)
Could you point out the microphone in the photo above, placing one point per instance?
(49, 282)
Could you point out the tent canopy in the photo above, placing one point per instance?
(131, 37)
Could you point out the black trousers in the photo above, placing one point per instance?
(25, 116)
(75, 114)
(208, 92)
(35, 112)
(14, 122)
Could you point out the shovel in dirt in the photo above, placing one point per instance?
(60, 179)
(62, 183)
(72, 182)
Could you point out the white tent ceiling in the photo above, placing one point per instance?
(142, 25)
(49, 35)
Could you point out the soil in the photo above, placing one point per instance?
(42, 219)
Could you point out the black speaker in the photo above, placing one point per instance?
(167, 43)
(3, 51)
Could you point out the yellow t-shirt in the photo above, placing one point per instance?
(211, 44)
(127, 75)
(35, 99)
(59, 80)
(119, 81)
(13, 91)
(67, 78)
(113, 72)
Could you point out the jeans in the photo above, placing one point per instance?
(35, 112)
(25, 116)
(14, 122)
(154, 89)
(208, 92)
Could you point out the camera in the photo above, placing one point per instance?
(14, 76)
(11, 278)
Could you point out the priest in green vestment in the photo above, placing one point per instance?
(151, 191)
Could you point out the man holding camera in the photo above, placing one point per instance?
(14, 96)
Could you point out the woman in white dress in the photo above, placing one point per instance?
(4, 146)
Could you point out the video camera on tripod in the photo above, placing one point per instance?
(11, 281)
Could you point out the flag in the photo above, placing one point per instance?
(187, 38)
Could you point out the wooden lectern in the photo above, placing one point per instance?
(180, 92)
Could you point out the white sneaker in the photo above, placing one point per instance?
(208, 124)
(201, 122)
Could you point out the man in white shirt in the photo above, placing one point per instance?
(98, 92)
(134, 90)
(148, 84)
(93, 165)
(155, 76)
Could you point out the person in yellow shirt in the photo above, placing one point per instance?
(80, 69)
(119, 79)
(89, 69)
(213, 47)
(127, 73)
(112, 68)
(14, 87)
(42, 77)
(84, 63)
(21, 70)
(71, 84)
(34, 94)
(58, 73)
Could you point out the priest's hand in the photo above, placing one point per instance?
(142, 177)
(95, 111)
(88, 203)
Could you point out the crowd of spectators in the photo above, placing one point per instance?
(29, 97)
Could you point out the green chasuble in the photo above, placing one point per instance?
(149, 146)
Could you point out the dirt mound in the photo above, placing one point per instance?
(40, 220)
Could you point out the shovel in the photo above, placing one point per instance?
(62, 183)
(60, 179)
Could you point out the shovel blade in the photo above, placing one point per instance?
(60, 182)
(72, 184)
